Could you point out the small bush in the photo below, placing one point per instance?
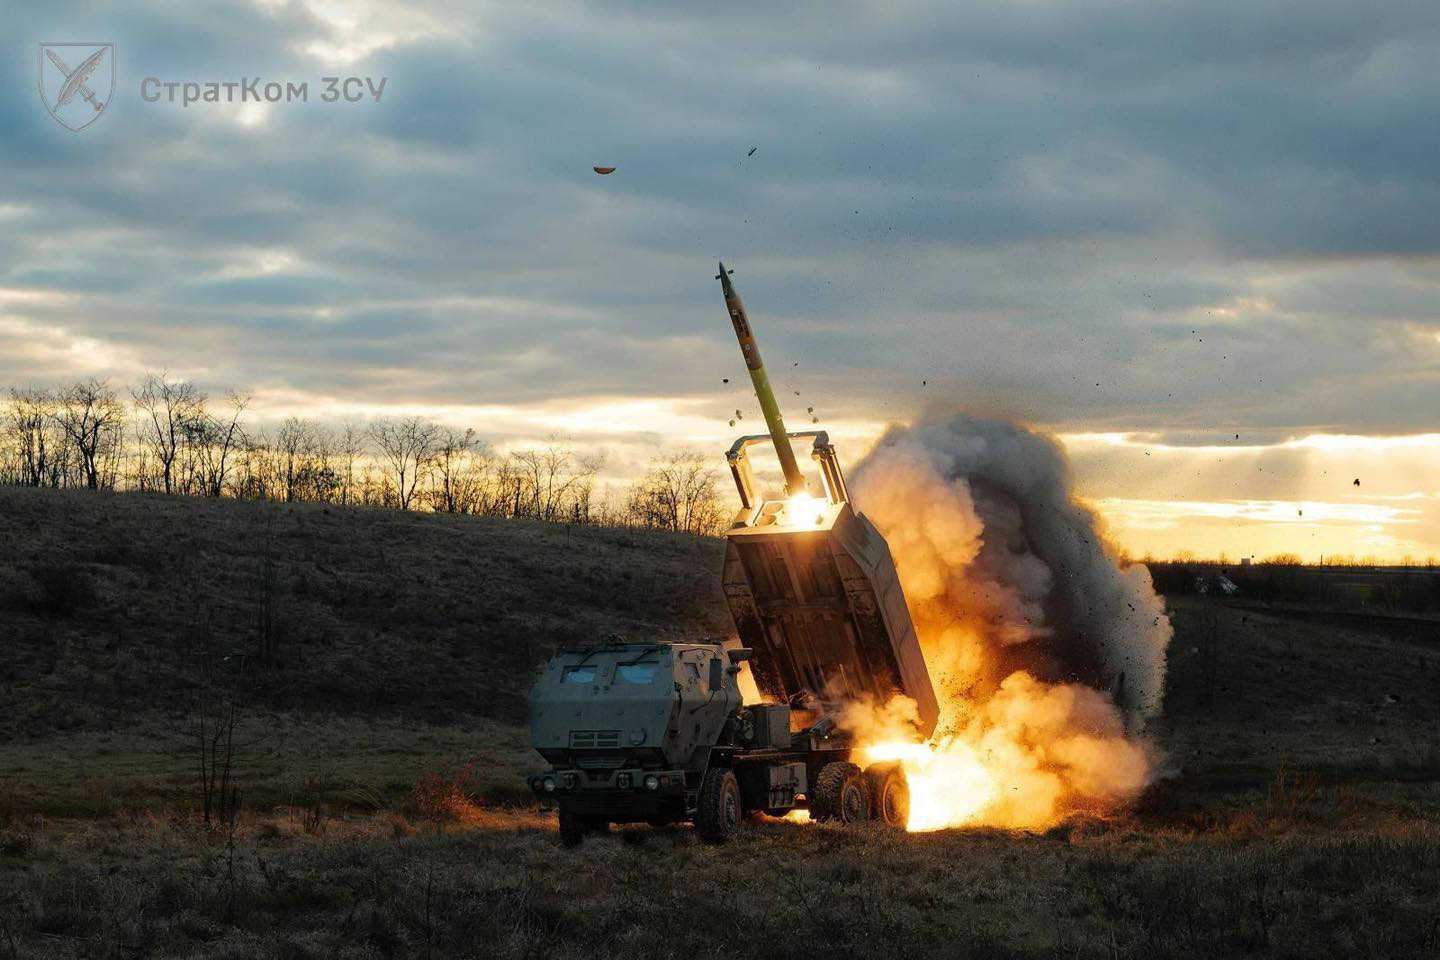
(442, 796)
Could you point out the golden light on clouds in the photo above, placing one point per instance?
(1295, 496)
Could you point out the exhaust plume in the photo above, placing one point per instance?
(1048, 654)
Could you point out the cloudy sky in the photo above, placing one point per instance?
(1148, 226)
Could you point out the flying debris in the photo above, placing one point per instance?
(814, 419)
(603, 171)
(809, 409)
(739, 415)
(724, 379)
(752, 151)
(732, 423)
(1357, 481)
(924, 383)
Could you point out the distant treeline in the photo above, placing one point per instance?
(171, 437)
(1411, 588)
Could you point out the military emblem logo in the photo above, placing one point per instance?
(77, 81)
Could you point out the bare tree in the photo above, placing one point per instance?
(31, 422)
(351, 445)
(170, 414)
(92, 418)
(553, 480)
(320, 482)
(461, 473)
(407, 450)
(291, 443)
(220, 441)
(678, 493)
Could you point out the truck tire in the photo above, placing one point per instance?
(841, 793)
(572, 828)
(718, 812)
(889, 793)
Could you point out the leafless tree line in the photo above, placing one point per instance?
(169, 436)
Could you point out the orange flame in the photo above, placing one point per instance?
(1027, 757)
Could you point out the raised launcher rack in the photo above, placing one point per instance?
(814, 592)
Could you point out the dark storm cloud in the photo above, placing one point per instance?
(1173, 217)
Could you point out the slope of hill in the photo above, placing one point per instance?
(109, 603)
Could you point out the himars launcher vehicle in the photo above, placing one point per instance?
(660, 732)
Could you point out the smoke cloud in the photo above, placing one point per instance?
(1048, 653)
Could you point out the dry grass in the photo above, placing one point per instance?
(1301, 817)
(501, 886)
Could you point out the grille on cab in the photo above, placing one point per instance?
(594, 739)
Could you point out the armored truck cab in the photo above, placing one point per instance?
(628, 728)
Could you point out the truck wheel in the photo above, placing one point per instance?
(718, 812)
(889, 793)
(841, 793)
(572, 828)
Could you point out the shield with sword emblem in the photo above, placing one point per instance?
(77, 81)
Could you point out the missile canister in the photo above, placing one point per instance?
(811, 584)
(794, 479)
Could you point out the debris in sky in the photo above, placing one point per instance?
(739, 415)
(603, 171)
(795, 364)
(924, 382)
(732, 423)
(724, 379)
(809, 409)
(1357, 481)
(814, 419)
(752, 151)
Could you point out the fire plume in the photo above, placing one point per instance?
(1046, 652)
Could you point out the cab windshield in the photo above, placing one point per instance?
(636, 672)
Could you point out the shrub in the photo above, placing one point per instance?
(442, 796)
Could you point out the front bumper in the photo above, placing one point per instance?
(620, 796)
(577, 784)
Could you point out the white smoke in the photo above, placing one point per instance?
(995, 550)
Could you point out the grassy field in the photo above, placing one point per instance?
(380, 758)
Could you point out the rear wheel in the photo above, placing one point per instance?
(841, 793)
(572, 828)
(889, 793)
(718, 813)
